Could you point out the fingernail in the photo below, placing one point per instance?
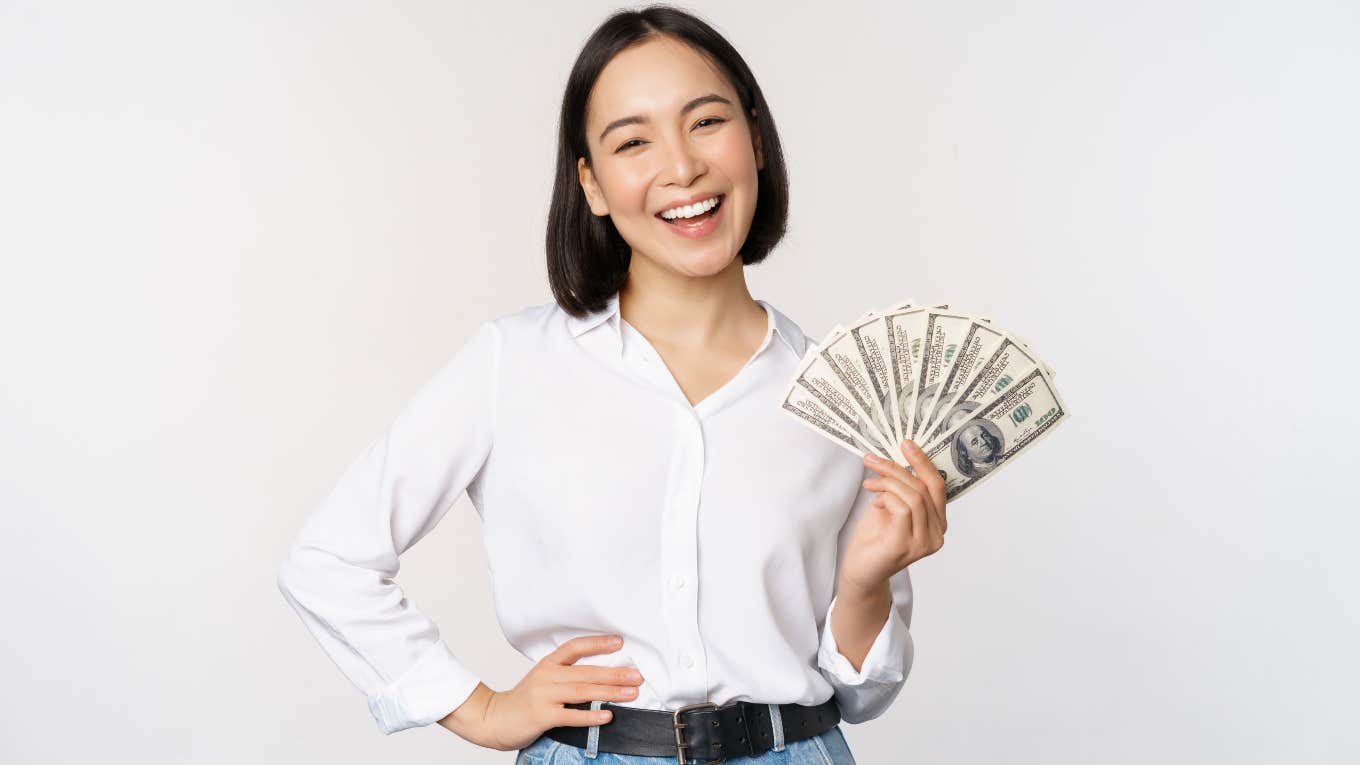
(873, 459)
(616, 641)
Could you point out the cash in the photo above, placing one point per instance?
(972, 395)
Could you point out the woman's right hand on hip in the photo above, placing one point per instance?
(516, 718)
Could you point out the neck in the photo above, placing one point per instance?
(686, 312)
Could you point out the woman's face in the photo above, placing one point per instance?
(665, 128)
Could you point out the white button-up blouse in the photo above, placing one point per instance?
(708, 536)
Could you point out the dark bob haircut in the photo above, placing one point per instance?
(587, 257)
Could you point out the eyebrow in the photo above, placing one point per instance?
(638, 119)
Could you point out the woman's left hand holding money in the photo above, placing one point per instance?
(905, 523)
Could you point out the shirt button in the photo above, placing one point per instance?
(686, 660)
(677, 581)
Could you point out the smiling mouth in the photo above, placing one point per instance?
(696, 220)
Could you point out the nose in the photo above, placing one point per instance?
(683, 163)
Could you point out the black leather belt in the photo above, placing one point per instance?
(704, 734)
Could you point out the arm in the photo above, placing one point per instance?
(857, 619)
(469, 716)
(866, 646)
(338, 574)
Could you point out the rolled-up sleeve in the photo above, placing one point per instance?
(866, 694)
(338, 574)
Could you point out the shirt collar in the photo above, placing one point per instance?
(783, 327)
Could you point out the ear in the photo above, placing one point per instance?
(755, 141)
(594, 197)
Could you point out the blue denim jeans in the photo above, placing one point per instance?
(827, 748)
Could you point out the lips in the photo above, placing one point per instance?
(693, 220)
(699, 226)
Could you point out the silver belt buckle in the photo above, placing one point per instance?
(680, 737)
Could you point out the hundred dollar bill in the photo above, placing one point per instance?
(809, 410)
(944, 332)
(978, 343)
(977, 447)
(1010, 360)
(904, 328)
(814, 373)
(858, 357)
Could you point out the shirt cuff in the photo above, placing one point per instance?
(887, 662)
(433, 687)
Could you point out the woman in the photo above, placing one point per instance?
(624, 449)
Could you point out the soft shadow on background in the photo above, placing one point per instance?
(238, 237)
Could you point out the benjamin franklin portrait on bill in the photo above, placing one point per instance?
(977, 448)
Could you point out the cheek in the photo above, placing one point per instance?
(625, 189)
(736, 156)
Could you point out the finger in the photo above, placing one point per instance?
(573, 691)
(903, 479)
(588, 673)
(602, 675)
(586, 645)
(884, 466)
(901, 512)
(930, 478)
(905, 487)
(916, 516)
(912, 475)
(582, 718)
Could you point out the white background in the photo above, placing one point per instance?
(237, 237)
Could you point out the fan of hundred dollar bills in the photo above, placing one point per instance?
(970, 394)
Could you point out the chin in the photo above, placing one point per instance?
(708, 263)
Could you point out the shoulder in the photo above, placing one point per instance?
(788, 330)
(525, 317)
(531, 329)
(536, 321)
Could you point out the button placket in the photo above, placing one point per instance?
(682, 556)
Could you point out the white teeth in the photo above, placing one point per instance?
(689, 211)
